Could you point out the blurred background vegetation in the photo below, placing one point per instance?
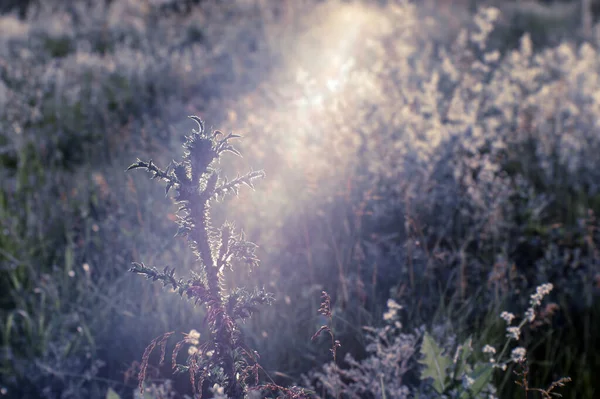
(413, 150)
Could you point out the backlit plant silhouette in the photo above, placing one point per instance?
(224, 358)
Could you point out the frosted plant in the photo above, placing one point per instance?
(382, 374)
(223, 358)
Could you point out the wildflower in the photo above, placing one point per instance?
(392, 304)
(389, 315)
(518, 354)
(489, 349)
(508, 317)
(513, 332)
(530, 315)
(540, 293)
(393, 308)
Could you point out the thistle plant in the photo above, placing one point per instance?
(224, 358)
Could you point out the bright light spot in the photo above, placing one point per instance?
(325, 54)
(333, 85)
(307, 107)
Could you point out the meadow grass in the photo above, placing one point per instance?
(451, 172)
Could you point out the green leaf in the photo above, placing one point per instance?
(462, 366)
(112, 394)
(435, 363)
(481, 377)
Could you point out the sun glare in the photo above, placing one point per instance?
(308, 103)
(324, 56)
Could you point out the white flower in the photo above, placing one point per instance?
(513, 332)
(489, 349)
(389, 315)
(540, 293)
(392, 304)
(518, 354)
(393, 308)
(508, 317)
(530, 314)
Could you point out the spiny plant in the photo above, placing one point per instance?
(224, 358)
